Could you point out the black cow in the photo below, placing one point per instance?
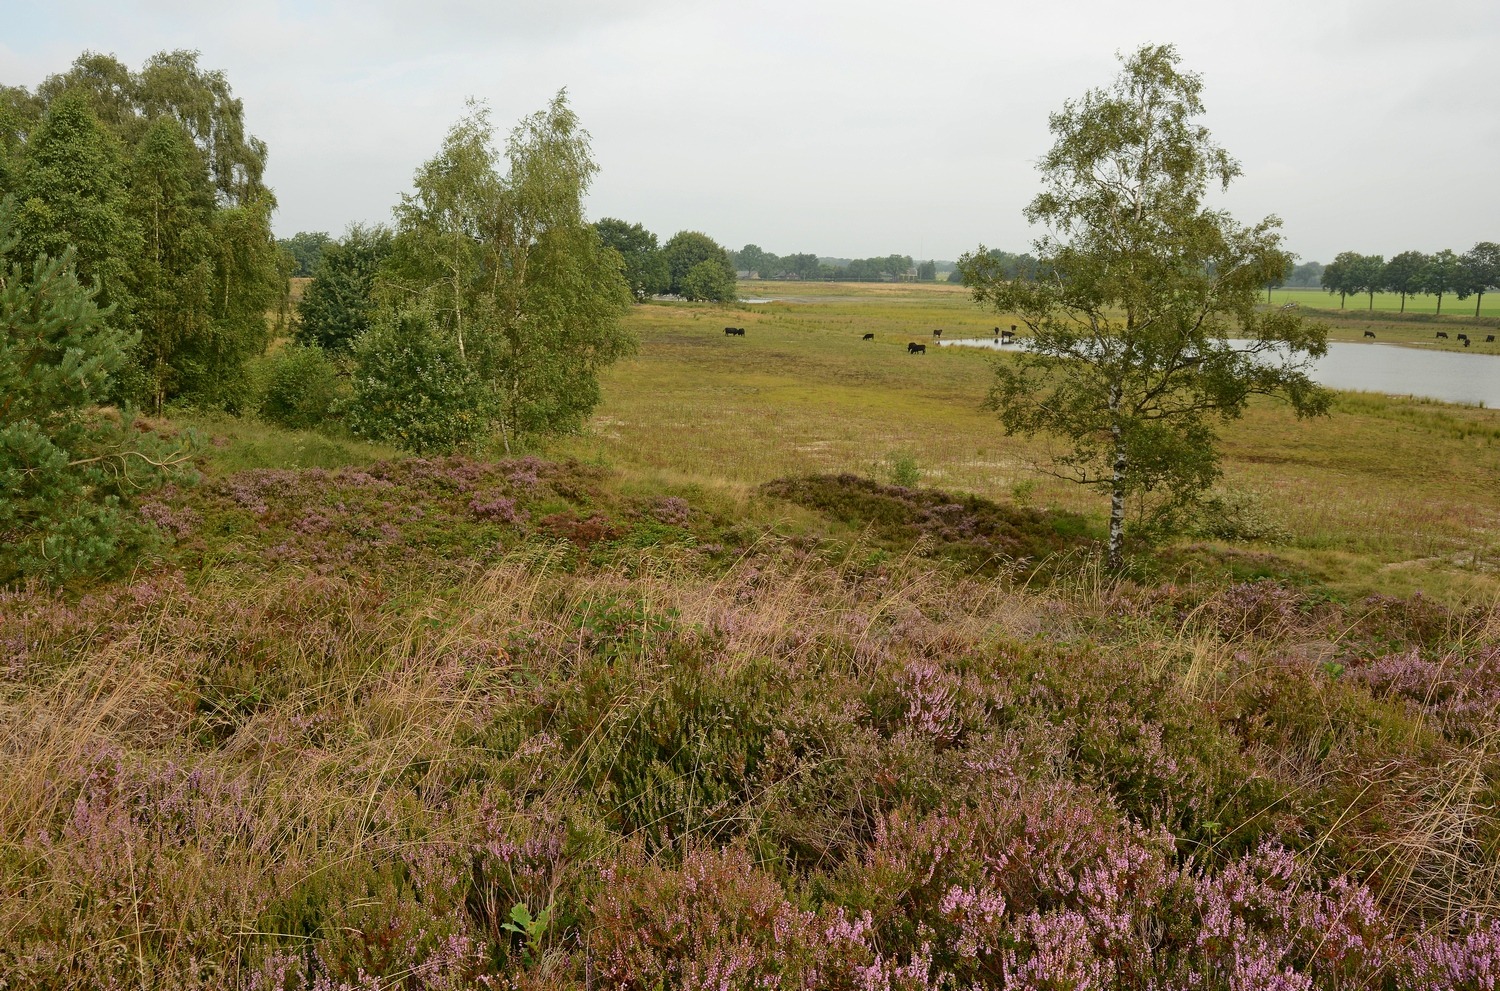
(1464, 338)
(734, 331)
(1369, 333)
(938, 332)
(1489, 338)
(915, 348)
(1443, 334)
(868, 337)
(1466, 342)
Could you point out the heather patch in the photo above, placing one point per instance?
(525, 738)
(983, 535)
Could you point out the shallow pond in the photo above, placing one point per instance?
(1470, 376)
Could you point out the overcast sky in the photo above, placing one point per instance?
(842, 128)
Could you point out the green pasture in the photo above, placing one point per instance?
(1385, 494)
(1389, 302)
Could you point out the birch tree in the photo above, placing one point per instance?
(1143, 328)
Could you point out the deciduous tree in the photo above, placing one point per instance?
(511, 273)
(306, 249)
(1403, 274)
(1479, 272)
(1441, 275)
(1366, 274)
(1337, 276)
(223, 165)
(173, 275)
(645, 267)
(1145, 329)
(689, 249)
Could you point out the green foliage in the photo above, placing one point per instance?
(708, 280)
(302, 388)
(1441, 274)
(413, 388)
(1130, 356)
(1235, 514)
(173, 276)
(1403, 274)
(187, 253)
(171, 84)
(71, 193)
(337, 306)
(927, 271)
(306, 249)
(531, 930)
(519, 285)
(67, 470)
(1479, 272)
(645, 266)
(1351, 273)
(753, 258)
(699, 268)
(905, 471)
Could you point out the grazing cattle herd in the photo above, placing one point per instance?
(1008, 336)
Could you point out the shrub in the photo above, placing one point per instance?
(302, 388)
(412, 388)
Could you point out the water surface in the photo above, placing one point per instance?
(1470, 376)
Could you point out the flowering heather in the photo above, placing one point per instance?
(443, 724)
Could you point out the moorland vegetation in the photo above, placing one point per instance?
(778, 668)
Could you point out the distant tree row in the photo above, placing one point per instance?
(691, 265)
(1473, 273)
(306, 250)
(151, 180)
(998, 264)
(1308, 275)
(756, 260)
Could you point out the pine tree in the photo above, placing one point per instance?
(72, 194)
(67, 469)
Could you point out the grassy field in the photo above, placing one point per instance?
(801, 392)
(1385, 302)
(673, 704)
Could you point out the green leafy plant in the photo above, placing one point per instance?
(531, 930)
(302, 387)
(904, 469)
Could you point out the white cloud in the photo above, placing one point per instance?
(841, 127)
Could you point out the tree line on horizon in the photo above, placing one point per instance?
(1411, 273)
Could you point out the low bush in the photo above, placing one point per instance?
(302, 388)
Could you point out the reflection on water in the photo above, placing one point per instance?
(1468, 376)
